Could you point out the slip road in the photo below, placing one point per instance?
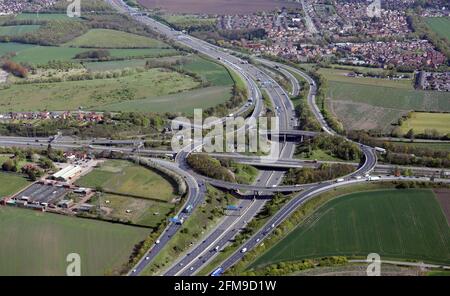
(227, 285)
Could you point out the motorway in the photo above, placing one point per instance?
(269, 179)
(280, 101)
(202, 252)
(195, 197)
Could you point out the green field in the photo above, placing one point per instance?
(432, 146)
(13, 47)
(100, 94)
(104, 38)
(338, 75)
(121, 64)
(186, 21)
(45, 17)
(441, 25)
(420, 121)
(179, 102)
(209, 71)
(11, 184)
(114, 65)
(17, 30)
(317, 154)
(123, 177)
(143, 211)
(43, 54)
(397, 224)
(35, 243)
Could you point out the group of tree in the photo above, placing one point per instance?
(313, 175)
(15, 69)
(422, 30)
(306, 118)
(33, 172)
(98, 54)
(334, 145)
(210, 167)
(9, 165)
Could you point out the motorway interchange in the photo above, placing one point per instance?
(269, 179)
(201, 254)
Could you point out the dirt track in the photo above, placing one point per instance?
(217, 6)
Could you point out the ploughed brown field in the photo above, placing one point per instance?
(443, 197)
(217, 6)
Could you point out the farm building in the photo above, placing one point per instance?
(67, 173)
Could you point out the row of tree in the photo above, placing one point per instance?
(405, 153)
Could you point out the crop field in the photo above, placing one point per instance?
(178, 102)
(361, 106)
(17, 30)
(217, 6)
(43, 54)
(141, 211)
(337, 75)
(441, 25)
(421, 121)
(36, 243)
(11, 184)
(397, 224)
(123, 177)
(372, 103)
(104, 38)
(97, 94)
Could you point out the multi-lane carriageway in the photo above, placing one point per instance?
(231, 225)
(279, 99)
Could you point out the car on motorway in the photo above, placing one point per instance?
(191, 268)
(244, 250)
(157, 242)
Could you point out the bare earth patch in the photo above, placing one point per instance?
(3, 76)
(443, 197)
(357, 116)
(217, 6)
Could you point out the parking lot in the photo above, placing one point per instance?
(42, 194)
